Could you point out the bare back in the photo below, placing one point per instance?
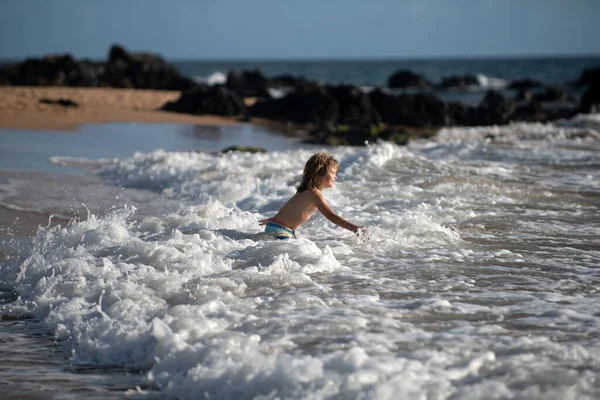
(297, 210)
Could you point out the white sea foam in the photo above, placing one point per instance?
(581, 127)
(79, 162)
(278, 93)
(476, 277)
(216, 78)
(488, 82)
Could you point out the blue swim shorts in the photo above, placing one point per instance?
(278, 231)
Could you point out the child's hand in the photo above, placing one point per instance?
(264, 221)
(364, 232)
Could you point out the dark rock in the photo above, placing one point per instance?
(400, 137)
(201, 100)
(48, 71)
(524, 95)
(460, 114)
(118, 53)
(9, 74)
(304, 106)
(420, 110)
(244, 149)
(142, 71)
(123, 70)
(494, 109)
(61, 102)
(85, 74)
(358, 136)
(588, 77)
(554, 94)
(407, 79)
(287, 80)
(525, 84)
(459, 82)
(248, 83)
(245, 117)
(320, 106)
(354, 106)
(532, 111)
(590, 100)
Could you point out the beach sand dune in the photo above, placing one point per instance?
(20, 107)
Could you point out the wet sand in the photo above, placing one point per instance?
(25, 223)
(35, 367)
(20, 108)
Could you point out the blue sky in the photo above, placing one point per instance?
(300, 29)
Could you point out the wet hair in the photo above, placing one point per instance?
(316, 168)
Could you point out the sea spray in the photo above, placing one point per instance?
(477, 276)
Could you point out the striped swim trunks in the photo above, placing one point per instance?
(279, 232)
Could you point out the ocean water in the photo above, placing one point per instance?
(491, 73)
(477, 277)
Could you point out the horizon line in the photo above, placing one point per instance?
(394, 58)
(334, 59)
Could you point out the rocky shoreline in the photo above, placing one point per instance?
(407, 107)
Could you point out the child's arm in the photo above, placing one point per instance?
(325, 209)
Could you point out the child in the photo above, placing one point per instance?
(319, 173)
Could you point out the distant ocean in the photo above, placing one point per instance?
(479, 277)
(493, 73)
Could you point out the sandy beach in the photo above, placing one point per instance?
(20, 107)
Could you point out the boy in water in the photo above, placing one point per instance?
(319, 173)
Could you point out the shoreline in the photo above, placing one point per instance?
(20, 108)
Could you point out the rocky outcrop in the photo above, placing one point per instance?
(248, 83)
(590, 100)
(58, 70)
(525, 84)
(458, 82)
(122, 70)
(554, 95)
(404, 79)
(320, 106)
(588, 77)
(345, 114)
(142, 71)
(217, 100)
(291, 81)
(60, 102)
(494, 109)
(420, 110)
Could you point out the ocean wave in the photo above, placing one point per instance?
(580, 127)
(278, 93)
(488, 82)
(216, 78)
(80, 162)
(473, 263)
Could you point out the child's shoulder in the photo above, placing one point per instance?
(314, 196)
(311, 193)
(308, 195)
